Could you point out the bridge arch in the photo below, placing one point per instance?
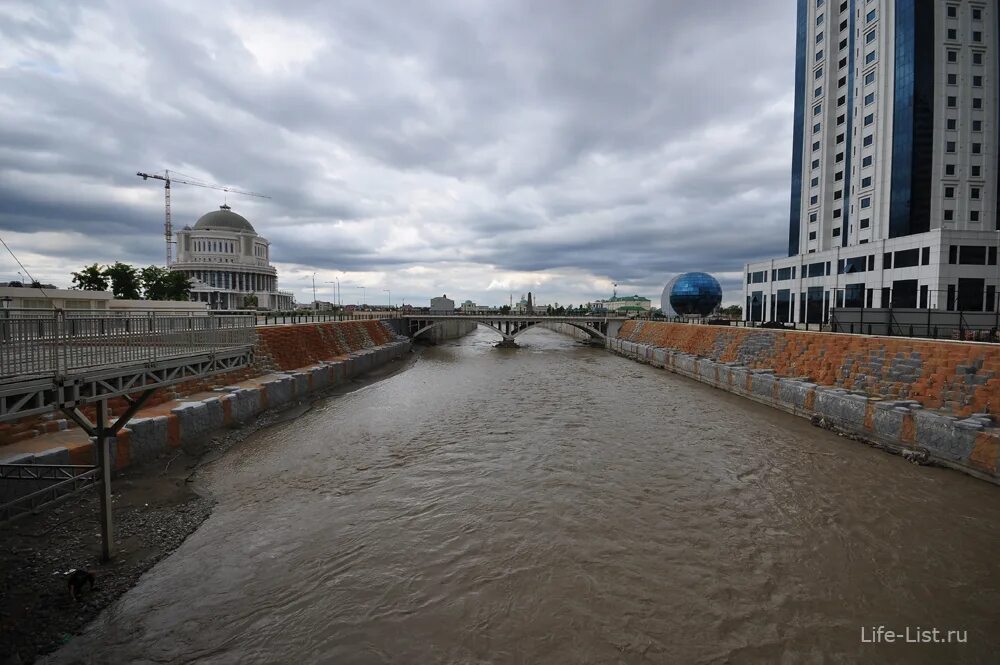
(520, 327)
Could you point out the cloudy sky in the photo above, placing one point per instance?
(471, 147)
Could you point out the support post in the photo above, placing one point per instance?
(103, 448)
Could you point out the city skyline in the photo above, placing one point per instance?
(452, 149)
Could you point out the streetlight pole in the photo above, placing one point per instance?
(389, 291)
(314, 292)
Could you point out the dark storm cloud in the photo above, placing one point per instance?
(484, 142)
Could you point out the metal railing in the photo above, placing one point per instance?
(57, 342)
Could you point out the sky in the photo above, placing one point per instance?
(474, 148)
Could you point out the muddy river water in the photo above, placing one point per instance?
(558, 504)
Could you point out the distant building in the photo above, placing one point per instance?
(622, 305)
(443, 304)
(78, 300)
(228, 263)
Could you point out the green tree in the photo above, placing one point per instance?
(505, 309)
(154, 285)
(91, 278)
(734, 312)
(178, 286)
(125, 281)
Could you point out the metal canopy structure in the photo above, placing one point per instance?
(59, 360)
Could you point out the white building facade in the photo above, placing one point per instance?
(229, 264)
(895, 172)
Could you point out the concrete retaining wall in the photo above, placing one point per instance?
(968, 443)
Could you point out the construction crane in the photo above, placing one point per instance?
(168, 229)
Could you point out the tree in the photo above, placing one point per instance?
(161, 284)
(734, 312)
(125, 281)
(91, 278)
(178, 286)
(154, 283)
(505, 309)
(250, 301)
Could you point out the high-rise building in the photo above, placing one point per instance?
(895, 175)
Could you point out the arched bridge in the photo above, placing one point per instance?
(509, 326)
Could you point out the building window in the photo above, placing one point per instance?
(867, 161)
(814, 182)
(869, 119)
(816, 146)
(975, 170)
(815, 163)
(841, 119)
(819, 37)
(866, 181)
(817, 109)
(953, 254)
(977, 102)
(977, 81)
(977, 125)
(925, 256)
(977, 36)
(812, 217)
(977, 58)
(841, 100)
(949, 215)
(952, 79)
(973, 215)
(865, 223)
(949, 146)
(952, 101)
(869, 78)
(819, 19)
(870, 37)
(840, 138)
(812, 235)
(819, 55)
(868, 140)
(977, 14)
(952, 34)
(952, 11)
(816, 128)
(838, 194)
(870, 58)
(838, 176)
(818, 92)
(813, 200)
(974, 192)
(869, 98)
(836, 232)
(952, 124)
(977, 148)
(836, 213)
(949, 192)
(872, 15)
(819, 73)
(866, 202)
(949, 169)
(952, 57)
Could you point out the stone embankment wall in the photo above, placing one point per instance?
(290, 363)
(928, 400)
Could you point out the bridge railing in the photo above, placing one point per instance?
(58, 342)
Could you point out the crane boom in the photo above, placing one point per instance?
(168, 229)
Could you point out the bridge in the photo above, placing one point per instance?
(60, 360)
(509, 326)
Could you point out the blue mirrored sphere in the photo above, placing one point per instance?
(695, 294)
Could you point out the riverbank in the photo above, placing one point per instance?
(155, 509)
(928, 400)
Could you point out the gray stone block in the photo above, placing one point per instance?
(942, 437)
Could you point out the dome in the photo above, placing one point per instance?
(223, 219)
(695, 294)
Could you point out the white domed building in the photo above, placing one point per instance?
(229, 264)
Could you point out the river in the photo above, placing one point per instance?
(559, 504)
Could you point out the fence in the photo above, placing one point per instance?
(915, 322)
(47, 342)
